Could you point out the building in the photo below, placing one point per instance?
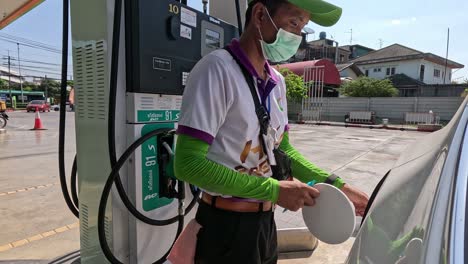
(410, 87)
(320, 49)
(357, 51)
(5, 75)
(331, 77)
(349, 70)
(427, 68)
(327, 49)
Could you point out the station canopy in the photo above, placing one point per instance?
(10, 10)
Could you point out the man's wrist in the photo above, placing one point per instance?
(335, 180)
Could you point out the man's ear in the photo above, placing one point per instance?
(258, 14)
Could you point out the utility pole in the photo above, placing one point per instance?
(381, 43)
(446, 57)
(9, 80)
(46, 87)
(19, 67)
(351, 40)
(205, 6)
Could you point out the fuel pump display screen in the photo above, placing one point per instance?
(213, 40)
(164, 41)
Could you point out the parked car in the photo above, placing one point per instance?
(68, 107)
(417, 213)
(41, 105)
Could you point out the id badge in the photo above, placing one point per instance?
(270, 139)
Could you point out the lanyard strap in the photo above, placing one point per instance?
(262, 114)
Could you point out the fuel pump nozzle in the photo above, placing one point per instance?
(167, 180)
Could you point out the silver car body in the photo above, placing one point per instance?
(419, 211)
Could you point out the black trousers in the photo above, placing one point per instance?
(231, 237)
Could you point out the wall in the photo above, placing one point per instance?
(348, 73)
(410, 68)
(394, 108)
(429, 77)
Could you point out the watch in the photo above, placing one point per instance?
(331, 179)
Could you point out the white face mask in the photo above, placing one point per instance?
(283, 48)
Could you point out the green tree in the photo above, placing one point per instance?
(3, 84)
(29, 86)
(295, 87)
(369, 87)
(52, 87)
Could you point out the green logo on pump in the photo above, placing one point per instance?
(150, 170)
(158, 115)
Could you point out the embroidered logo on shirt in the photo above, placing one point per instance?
(262, 168)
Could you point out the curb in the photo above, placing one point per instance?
(368, 126)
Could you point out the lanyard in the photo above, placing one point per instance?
(269, 104)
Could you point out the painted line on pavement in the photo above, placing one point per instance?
(25, 241)
(29, 189)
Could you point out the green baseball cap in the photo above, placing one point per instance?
(321, 12)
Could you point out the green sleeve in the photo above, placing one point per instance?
(302, 169)
(192, 166)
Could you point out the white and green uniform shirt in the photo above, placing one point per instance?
(218, 108)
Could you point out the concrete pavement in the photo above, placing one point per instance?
(37, 224)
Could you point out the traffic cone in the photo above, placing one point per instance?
(38, 122)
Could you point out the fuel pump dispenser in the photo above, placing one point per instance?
(131, 60)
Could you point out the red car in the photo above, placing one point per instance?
(38, 104)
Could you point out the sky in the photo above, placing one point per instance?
(418, 24)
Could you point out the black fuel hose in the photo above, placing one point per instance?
(63, 94)
(107, 188)
(73, 203)
(239, 20)
(116, 165)
(73, 185)
(111, 125)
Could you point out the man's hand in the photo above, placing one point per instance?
(293, 195)
(357, 197)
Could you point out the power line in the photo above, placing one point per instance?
(29, 41)
(41, 62)
(35, 64)
(29, 45)
(48, 55)
(29, 66)
(37, 68)
(43, 70)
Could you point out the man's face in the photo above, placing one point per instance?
(288, 17)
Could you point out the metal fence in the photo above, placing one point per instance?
(392, 108)
(421, 118)
(312, 106)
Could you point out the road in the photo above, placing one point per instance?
(36, 222)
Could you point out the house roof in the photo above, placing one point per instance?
(403, 80)
(344, 66)
(331, 74)
(397, 52)
(11, 10)
(348, 47)
(352, 66)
